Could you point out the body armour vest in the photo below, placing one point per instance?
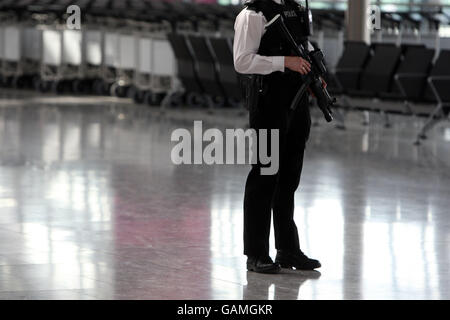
(273, 42)
(283, 85)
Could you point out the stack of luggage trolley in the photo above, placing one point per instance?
(175, 53)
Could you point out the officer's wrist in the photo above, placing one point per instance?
(278, 63)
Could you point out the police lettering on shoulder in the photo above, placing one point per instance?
(279, 69)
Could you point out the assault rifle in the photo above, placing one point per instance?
(313, 79)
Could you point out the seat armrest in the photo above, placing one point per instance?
(398, 77)
(431, 80)
(352, 70)
(343, 70)
(409, 75)
(337, 81)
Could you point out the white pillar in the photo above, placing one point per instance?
(357, 29)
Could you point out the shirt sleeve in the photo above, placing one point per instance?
(249, 29)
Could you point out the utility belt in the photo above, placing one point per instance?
(255, 86)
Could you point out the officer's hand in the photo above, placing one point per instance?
(297, 64)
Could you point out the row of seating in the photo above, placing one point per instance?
(407, 79)
(205, 67)
(381, 77)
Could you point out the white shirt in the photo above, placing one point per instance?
(248, 31)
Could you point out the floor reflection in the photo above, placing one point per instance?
(91, 207)
(289, 286)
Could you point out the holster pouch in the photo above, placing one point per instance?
(253, 87)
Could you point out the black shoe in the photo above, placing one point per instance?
(298, 260)
(262, 265)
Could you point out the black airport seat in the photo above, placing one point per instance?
(98, 7)
(236, 9)
(350, 66)
(160, 10)
(15, 5)
(406, 46)
(60, 6)
(185, 63)
(412, 73)
(39, 6)
(390, 20)
(227, 74)
(83, 4)
(439, 79)
(207, 73)
(378, 75)
(438, 84)
(228, 11)
(328, 19)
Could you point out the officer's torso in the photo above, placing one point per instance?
(272, 42)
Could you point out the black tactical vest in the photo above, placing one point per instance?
(283, 85)
(272, 42)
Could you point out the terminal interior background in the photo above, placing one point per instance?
(92, 207)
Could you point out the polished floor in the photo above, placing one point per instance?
(91, 207)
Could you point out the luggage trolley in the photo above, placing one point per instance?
(19, 54)
(61, 65)
(110, 59)
(163, 77)
(11, 55)
(32, 56)
(126, 64)
(190, 89)
(93, 58)
(140, 91)
(1, 52)
(119, 62)
(155, 72)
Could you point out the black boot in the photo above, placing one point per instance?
(297, 260)
(262, 264)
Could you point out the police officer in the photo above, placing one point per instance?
(273, 76)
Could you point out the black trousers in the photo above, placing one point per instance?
(264, 193)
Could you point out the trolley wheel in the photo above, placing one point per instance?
(176, 99)
(79, 86)
(137, 95)
(43, 86)
(148, 98)
(18, 82)
(57, 87)
(29, 81)
(35, 82)
(195, 100)
(158, 98)
(98, 87)
(107, 88)
(151, 98)
(119, 91)
(6, 82)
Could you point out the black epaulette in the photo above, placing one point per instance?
(267, 7)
